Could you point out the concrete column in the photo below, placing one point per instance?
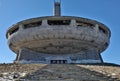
(44, 23)
(96, 28)
(100, 56)
(18, 56)
(73, 23)
(8, 35)
(61, 62)
(21, 27)
(57, 61)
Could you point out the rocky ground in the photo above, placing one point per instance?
(59, 72)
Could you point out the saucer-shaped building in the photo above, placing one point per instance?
(58, 39)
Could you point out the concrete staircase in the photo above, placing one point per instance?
(67, 72)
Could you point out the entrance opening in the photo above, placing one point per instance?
(58, 62)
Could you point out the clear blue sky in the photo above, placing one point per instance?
(105, 11)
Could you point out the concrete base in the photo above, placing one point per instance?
(29, 56)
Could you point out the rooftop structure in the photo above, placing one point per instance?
(58, 39)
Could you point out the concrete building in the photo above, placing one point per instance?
(58, 39)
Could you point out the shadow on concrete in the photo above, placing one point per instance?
(66, 72)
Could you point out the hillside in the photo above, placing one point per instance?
(59, 72)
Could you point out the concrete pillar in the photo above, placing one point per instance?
(57, 61)
(18, 56)
(44, 22)
(100, 56)
(96, 28)
(21, 27)
(73, 23)
(8, 35)
(61, 61)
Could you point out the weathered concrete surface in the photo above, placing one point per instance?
(60, 35)
(28, 56)
(53, 38)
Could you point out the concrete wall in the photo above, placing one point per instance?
(28, 56)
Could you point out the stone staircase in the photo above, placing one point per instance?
(66, 72)
(59, 72)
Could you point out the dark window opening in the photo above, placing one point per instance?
(80, 23)
(58, 61)
(33, 24)
(101, 29)
(106, 44)
(14, 30)
(59, 22)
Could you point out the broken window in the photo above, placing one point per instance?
(33, 24)
(59, 22)
(81, 23)
(102, 30)
(14, 30)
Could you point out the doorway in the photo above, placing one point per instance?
(58, 61)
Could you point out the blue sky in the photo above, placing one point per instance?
(105, 11)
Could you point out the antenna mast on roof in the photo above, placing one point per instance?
(57, 7)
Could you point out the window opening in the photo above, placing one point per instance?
(58, 61)
(59, 22)
(14, 30)
(33, 24)
(80, 23)
(101, 29)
